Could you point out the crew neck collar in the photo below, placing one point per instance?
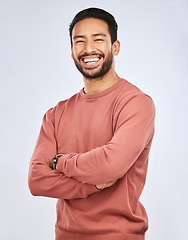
(100, 94)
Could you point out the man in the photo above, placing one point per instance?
(92, 150)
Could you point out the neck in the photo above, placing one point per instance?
(97, 85)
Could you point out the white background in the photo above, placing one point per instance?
(36, 71)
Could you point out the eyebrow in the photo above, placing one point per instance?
(99, 34)
(78, 36)
(94, 35)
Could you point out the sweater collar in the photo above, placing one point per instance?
(103, 93)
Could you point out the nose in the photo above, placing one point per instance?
(89, 46)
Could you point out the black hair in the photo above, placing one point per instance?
(96, 13)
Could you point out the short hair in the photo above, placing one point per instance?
(96, 13)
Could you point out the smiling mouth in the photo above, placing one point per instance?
(91, 62)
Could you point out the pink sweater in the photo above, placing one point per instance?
(104, 137)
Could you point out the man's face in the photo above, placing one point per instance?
(92, 48)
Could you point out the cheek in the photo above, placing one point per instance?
(107, 48)
(76, 52)
(108, 51)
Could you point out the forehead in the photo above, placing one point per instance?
(90, 26)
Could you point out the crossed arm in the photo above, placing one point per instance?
(78, 174)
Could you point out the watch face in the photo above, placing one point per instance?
(54, 162)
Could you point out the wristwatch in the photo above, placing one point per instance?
(54, 161)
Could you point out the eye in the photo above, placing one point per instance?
(79, 41)
(99, 40)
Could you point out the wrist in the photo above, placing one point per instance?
(55, 161)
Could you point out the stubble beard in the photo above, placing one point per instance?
(91, 73)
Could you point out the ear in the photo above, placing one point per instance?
(116, 47)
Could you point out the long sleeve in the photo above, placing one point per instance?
(43, 181)
(133, 134)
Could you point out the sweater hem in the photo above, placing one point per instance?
(63, 235)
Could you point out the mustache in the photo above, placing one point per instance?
(92, 54)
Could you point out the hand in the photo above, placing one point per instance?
(106, 185)
(59, 155)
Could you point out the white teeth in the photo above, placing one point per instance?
(91, 60)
